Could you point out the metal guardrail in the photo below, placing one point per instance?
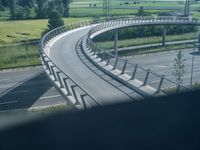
(70, 88)
(124, 22)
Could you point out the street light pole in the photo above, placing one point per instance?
(191, 80)
(116, 32)
(187, 8)
(192, 69)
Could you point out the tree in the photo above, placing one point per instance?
(141, 11)
(57, 6)
(27, 12)
(5, 3)
(199, 42)
(29, 3)
(1, 6)
(42, 9)
(54, 20)
(66, 8)
(13, 8)
(179, 67)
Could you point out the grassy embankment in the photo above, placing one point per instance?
(149, 40)
(18, 32)
(12, 32)
(87, 8)
(34, 113)
(174, 90)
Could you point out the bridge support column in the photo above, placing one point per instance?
(164, 36)
(116, 42)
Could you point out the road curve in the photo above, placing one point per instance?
(63, 54)
(72, 73)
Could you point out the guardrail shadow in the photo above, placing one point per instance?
(26, 93)
(195, 53)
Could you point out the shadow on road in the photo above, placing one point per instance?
(195, 53)
(25, 94)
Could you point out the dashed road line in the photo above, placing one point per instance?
(11, 102)
(53, 96)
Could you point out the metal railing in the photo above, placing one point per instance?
(121, 64)
(134, 21)
(71, 89)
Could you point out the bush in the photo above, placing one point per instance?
(146, 31)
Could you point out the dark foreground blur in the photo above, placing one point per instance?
(171, 122)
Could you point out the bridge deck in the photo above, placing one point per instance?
(63, 53)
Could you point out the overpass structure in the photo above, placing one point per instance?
(87, 77)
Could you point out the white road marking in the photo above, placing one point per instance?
(156, 81)
(11, 102)
(194, 75)
(53, 40)
(9, 92)
(4, 80)
(18, 92)
(160, 66)
(53, 96)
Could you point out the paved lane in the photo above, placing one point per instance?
(162, 63)
(63, 53)
(22, 89)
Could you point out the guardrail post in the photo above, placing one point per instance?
(115, 65)
(83, 101)
(74, 94)
(146, 78)
(66, 86)
(93, 48)
(116, 42)
(47, 66)
(164, 36)
(98, 51)
(108, 62)
(60, 81)
(55, 78)
(124, 67)
(178, 87)
(134, 72)
(160, 84)
(103, 56)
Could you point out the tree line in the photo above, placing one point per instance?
(146, 31)
(25, 9)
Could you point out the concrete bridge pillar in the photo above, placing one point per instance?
(164, 36)
(116, 37)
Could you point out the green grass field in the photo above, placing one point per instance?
(127, 7)
(86, 8)
(18, 56)
(12, 32)
(149, 40)
(155, 50)
(20, 31)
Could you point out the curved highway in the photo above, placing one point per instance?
(63, 53)
(76, 72)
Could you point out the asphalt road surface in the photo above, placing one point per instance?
(162, 64)
(64, 55)
(23, 89)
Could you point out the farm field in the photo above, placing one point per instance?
(147, 40)
(14, 51)
(92, 8)
(26, 30)
(18, 56)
